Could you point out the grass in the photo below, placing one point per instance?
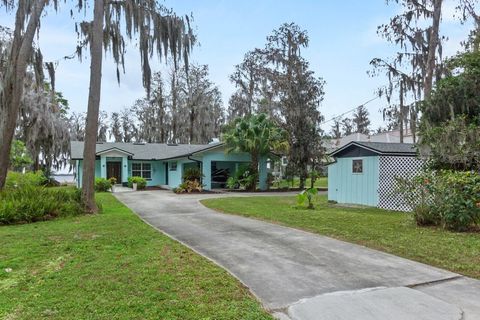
(321, 182)
(388, 231)
(112, 266)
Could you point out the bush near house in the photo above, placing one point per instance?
(243, 178)
(192, 178)
(189, 187)
(30, 203)
(141, 182)
(102, 185)
(192, 174)
(450, 199)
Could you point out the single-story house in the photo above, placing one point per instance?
(365, 173)
(163, 164)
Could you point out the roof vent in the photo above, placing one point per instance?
(172, 144)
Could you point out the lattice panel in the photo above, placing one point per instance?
(391, 167)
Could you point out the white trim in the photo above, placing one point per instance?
(114, 149)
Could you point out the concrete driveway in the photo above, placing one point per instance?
(299, 275)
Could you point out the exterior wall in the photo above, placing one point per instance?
(175, 177)
(158, 172)
(114, 156)
(344, 186)
(79, 166)
(215, 155)
(392, 168)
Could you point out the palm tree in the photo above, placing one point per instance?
(257, 135)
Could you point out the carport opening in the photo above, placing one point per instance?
(222, 170)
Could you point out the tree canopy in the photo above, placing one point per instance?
(257, 135)
(450, 125)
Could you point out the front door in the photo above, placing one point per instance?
(114, 169)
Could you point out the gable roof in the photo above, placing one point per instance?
(379, 148)
(144, 151)
(114, 149)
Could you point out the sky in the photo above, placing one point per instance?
(342, 36)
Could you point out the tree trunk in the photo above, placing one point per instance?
(302, 180)
(174, 92)
(12, 93)
(254, 168)
(400, 119)
(88, 192)
(313, 176)
(432, 48)
(191, 125)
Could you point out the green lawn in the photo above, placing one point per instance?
(388, 231)
(112, 266)
(321, 182)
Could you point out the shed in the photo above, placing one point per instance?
(365, 173)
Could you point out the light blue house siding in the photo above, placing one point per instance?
(344, 186)
(167, 172)
(175, 171)
(205, 159)
(79, 171)
(366, 172)
(158, 172)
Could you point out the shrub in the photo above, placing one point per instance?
(242, 179)
(141, 182)
(459, 193)
(418, 193)
(113, 180)
(19, 180)
(189, 187)
(102, 185)
(450, 199)
(192, 174)
(232, 183)
(307, 196)
(32, 203)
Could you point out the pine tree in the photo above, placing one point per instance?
(360, 120)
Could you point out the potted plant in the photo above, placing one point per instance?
(113, 182)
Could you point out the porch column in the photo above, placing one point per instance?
(103, 167)
(124, 169)
(262, 173)
(207, 174)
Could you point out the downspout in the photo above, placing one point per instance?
(201, 166)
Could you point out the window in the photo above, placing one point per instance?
(142, 169)
(173, 166)
(357, 166)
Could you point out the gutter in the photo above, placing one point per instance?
(189, 157)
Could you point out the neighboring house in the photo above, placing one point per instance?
(387, 137)
(365, 173)
(164, 164)
(392, 137)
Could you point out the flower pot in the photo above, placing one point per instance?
(113, 188)
(134, 185)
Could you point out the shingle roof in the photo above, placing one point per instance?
(381, 148)
(147, 151)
